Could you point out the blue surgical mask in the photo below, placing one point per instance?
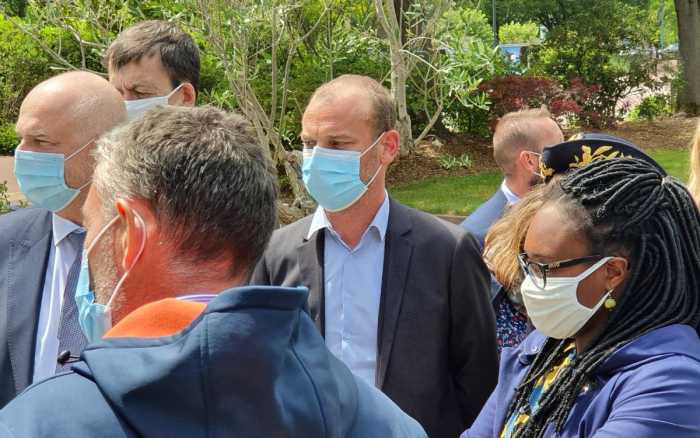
(332, 176)
(96, 319)
(41, 177)
(136, 108)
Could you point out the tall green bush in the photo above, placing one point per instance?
(513, 32)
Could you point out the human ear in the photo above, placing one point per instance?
(616, 272)
(189, 95)
(132, 238)
(391, 142)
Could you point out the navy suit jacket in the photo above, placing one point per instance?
(479, 222)
(25, 239)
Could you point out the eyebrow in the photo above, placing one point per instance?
(538, 256)
(337, 137)
(139, 85)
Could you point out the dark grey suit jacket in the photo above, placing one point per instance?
(436, 334)
(479, 222)
(25, 239)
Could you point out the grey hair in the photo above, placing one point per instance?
(209, 183)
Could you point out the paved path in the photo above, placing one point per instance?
(7, 174)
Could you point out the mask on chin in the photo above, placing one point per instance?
(96, 319)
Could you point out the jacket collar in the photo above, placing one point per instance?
(675, 339)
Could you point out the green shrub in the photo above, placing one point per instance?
(527, 32)
(651, 107)
(4, 199)
(8, 138)
(23, 65)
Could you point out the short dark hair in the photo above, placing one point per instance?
(178, 52)
(381, 101)
(204, 175)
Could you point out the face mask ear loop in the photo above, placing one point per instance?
(79, 150)
(138, 255)
(99, 235)
(371, 180)
(583, 275)
(372, 145)
(174, 91)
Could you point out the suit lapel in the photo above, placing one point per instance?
(310, 261)
(26, 273)
(397, 259)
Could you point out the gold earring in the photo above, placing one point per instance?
(610, 302)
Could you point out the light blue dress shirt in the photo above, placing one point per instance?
(511, 197)
(353, 288)
(62, 254)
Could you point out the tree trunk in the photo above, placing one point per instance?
(688, 14)
(386, 14)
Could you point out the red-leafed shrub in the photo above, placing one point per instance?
(513, 92)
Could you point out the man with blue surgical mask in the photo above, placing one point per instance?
(40, 246)
(187, 349)
(400, 296)
(153, 63)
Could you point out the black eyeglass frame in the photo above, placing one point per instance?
(546, 267)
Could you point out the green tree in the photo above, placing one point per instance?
(527, 32)
(688, 15)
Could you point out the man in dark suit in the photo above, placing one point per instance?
(400, 296)
(518, 142)
(40, 247)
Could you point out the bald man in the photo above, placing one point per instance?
(518, 142)
(40, 247)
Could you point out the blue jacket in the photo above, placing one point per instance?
(253, 364)
(648, 388)
(479, 222)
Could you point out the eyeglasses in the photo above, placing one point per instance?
(539, 271)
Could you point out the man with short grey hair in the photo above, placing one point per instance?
(518, 142)
(182, 207)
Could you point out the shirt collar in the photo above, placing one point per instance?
(379, 223)
(511, 197)
(62, 228)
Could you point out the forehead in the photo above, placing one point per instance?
(551, 234)
(348, 110)
(44, 114)
(147, 71)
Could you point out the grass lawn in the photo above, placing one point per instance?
(460, 195)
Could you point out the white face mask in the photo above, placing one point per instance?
(555, 310)
(135, 108)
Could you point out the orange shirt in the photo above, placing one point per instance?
(159, 318)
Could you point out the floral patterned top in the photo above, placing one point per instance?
(511, 325)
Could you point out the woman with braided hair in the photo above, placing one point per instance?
(612, 285)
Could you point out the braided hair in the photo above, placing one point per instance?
(628, 208)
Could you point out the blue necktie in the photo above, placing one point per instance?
(70, 337)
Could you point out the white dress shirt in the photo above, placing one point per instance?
(511, 197)
(353, 287)
(62, 254)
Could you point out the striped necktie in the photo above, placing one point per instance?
(70, 337)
